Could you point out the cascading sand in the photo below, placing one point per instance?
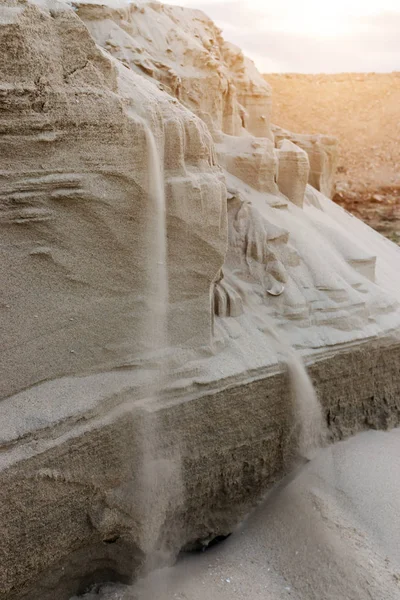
(159, 479)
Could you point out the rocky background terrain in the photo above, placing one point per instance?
(363, 111)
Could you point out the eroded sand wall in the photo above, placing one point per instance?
(234, 446)
(76, 213)
(77, 229)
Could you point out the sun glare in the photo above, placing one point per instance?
(303, 17)
(315, 24)
(313, 17)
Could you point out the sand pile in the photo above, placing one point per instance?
(332, 532)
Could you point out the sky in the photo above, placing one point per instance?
(310, 36)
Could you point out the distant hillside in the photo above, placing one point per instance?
(361, 109)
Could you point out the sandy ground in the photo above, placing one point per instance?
(330, 532)
(361, 109)
(379, 209)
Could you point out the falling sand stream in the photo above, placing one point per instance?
(318, 535)
(160, 482)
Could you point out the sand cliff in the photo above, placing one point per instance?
(98, 103)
